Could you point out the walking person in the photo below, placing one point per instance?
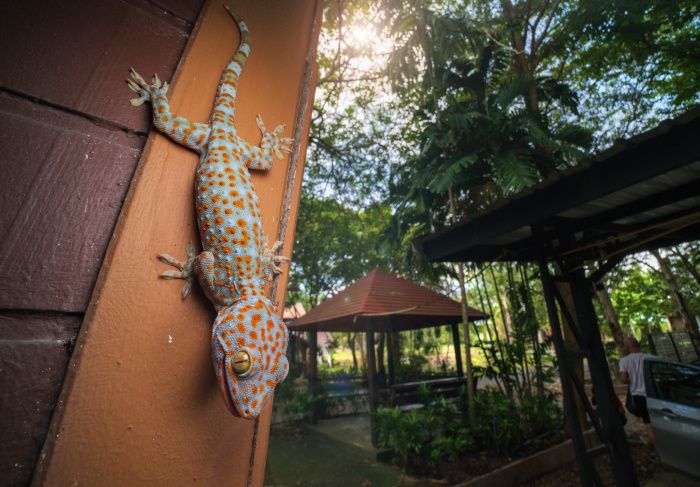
(632, 374)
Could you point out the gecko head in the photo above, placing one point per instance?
(248, 377)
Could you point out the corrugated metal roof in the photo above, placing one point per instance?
(642, 193)
(387, 302)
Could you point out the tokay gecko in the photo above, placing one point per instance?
(249, 340)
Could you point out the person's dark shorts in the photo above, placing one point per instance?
(641, 403)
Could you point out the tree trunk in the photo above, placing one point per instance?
(525, 64)
(678, 299)
(361, 346)
(603, 296)
(688, 265)
(499, 358)
(536, 346)
(469, 371)
(504, 316)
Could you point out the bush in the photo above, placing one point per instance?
(440, 432)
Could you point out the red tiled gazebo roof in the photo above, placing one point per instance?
(387, 303)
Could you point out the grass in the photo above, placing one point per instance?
(300, 456)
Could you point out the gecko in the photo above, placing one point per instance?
(249, 340)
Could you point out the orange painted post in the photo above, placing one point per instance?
(140, 404)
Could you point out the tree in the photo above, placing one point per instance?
(633, 62)
(334, 246)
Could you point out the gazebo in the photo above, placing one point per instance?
(384, 303)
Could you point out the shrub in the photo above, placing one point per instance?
(425, 438)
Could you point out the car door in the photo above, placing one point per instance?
(673, 401)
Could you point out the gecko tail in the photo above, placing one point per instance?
(224, 104)
(241, 55)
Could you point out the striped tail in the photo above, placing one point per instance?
(225, 102)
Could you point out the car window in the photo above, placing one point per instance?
(676, 382)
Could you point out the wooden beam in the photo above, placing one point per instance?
(458, 349)
(371, 379)
(622, 464)
(390, 356)
(312, 359)
(586, 469)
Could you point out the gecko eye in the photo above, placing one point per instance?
(242, 363)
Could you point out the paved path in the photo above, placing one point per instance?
(668, 479)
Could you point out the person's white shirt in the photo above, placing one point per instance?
(633, 364)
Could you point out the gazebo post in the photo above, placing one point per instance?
(292, 350)
(371, 386)
(458, 349)
(313, 369)
(390, 356)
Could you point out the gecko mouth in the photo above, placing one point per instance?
(228, 399)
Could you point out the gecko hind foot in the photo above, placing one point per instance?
(184, 269)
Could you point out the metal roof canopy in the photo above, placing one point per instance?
(641, 194)
(385, 302)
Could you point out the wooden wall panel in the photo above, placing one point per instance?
(69, 144)
(35, 349)
(76, 54)
(185, 9)
(63, 184)
(140, 405)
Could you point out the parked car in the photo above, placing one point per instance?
(673, 401)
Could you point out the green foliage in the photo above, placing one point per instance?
(634, 62)
(295, 403)
(440, 432)
(640, 298)
(335, 245)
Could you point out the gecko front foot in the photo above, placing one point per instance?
(271, 261)
(184, 269)
(146, 92)
(277, 144)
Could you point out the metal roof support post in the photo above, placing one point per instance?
(620, 456)
(586, 469)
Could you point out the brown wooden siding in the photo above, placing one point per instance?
(69, 144)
